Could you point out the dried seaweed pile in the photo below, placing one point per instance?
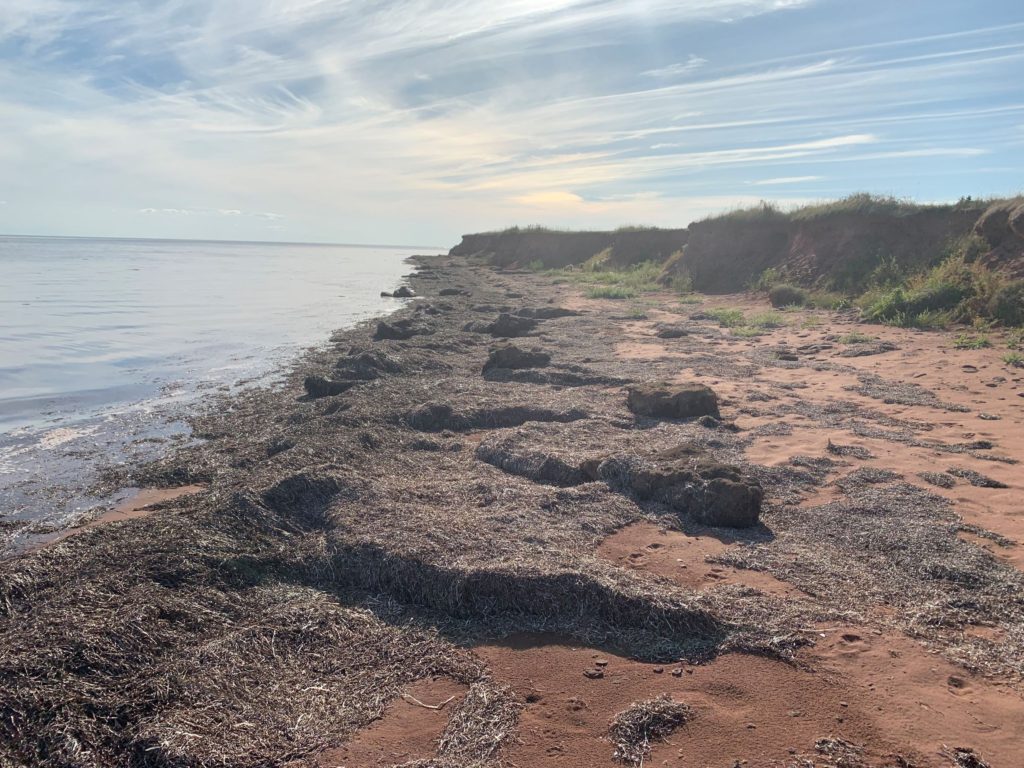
(360, 531)
(633, 730)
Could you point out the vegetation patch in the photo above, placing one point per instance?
(856, 338)
(786, 295)
(972, 341)
(743, 326)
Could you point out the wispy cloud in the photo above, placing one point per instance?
(692, 64)
(784, 180)
(228, 212)
(351, 118)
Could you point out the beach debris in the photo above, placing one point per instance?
(510, 326)
(843, 753)
(938, 479)
(856, 451)
(547, 313)
(366, 366)
(709, 492)
(668, 331)
(976, 478)
(511, 356)
(318, 386)
(633, 729)
(399, 330)
(453, 292)
(507, 454)
(435, 417)
(868, 348)
(673, 401)
(964, 757)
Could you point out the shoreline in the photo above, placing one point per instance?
(85, 393)
(353, 545)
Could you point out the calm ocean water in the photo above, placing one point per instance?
(99, 339)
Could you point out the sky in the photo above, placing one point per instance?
(414, 121)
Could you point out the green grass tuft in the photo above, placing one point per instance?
(727, 318)
(970, 341)
(611, 292)
(767, 320)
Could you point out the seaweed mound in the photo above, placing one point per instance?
(709, 492)
(673, 401)
(512, 357)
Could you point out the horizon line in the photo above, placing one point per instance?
(217, 240)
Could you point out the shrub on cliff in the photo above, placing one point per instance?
(785, 295)
(955, 290)
(1007, 304)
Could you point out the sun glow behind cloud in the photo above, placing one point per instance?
(418, 119)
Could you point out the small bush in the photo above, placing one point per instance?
(766, 280)
(856, 338)
(681, 282)
(887, 274)
(1014, 360)
(785, 295)
(537, 265)
(1007, 303)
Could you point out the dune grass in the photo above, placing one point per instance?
(604, 282)
(745, 326)
(972, 341)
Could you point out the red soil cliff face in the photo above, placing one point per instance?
(725, 254)
(836, 248)
(520, 247)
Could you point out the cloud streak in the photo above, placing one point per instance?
(352, 118)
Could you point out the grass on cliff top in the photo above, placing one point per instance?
(857, 204)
